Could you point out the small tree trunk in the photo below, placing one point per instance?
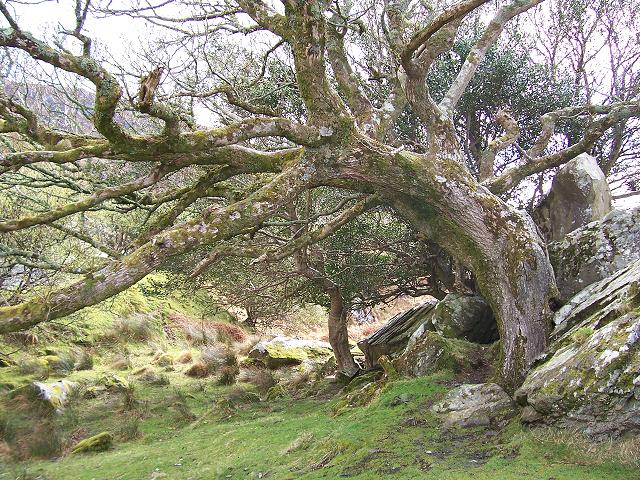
(338, 334)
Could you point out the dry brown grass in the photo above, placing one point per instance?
(201, 332)
(184, 357)
(120, 362)
(135, 328)
(261, 378)
(198, 370)
(625, 451)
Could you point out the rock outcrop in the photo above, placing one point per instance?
(590, 378)
(55, 394)
(579, 195)
(393, 336)
(285, 351)
(595, 251)
(483, 404)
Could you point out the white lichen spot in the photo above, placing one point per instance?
(326, 131)
(606, 358)
(440, 179)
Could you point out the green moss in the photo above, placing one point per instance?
(581, 335)
(98, 443)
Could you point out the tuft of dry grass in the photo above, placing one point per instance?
(201, 332)
(302, 442)
(120, 362)
(134, 328)
(197, 370)
(184, 357)
(261, 378)
(624, 451)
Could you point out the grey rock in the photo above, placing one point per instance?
(595, 251)
(473, 405)
(394, 335)
(579, 195)
(284, 351)
(433, 352)
(588, 382)
(466, 317)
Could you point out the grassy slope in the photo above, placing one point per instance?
(371, 442)
(280, 439)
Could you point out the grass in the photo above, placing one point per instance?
(195, 428)
(302, 439)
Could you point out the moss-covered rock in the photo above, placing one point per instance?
(476, 405)
(98, 443)
(112, 381)
(54, 394)
(434, 352)
(284, 351)
(591, 377)
(163, 359)
(595, 251)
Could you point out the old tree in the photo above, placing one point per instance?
(306, 95)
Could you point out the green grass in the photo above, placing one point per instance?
(395, 436)
(302, 439)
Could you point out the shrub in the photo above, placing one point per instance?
(179, 403)
(45, 441)
(234, 332)
(128, 428)
(128, 400)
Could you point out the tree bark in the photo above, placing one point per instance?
(338, 334)
(501, 246)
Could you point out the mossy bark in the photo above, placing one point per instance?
(438, 196)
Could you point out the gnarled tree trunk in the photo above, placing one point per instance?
(501, 246)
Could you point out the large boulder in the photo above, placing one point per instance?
(590, 378)
(394, 335)
(432, 352)
(466, 317)
(595, 251)
(579, 195)
(284, 351)
(473, 405)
